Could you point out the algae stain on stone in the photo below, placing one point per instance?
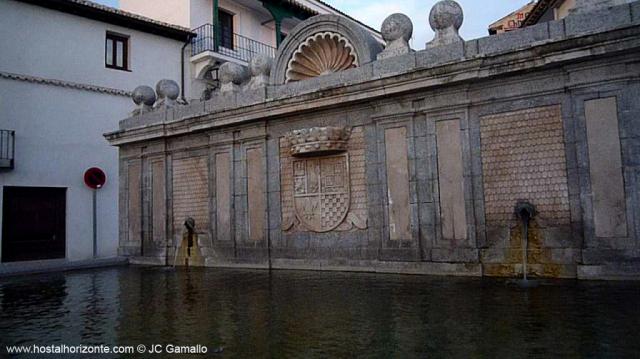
(513, 255)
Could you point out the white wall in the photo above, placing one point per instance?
(200, 13)
(248, 18)
(248, 23)
(59, 130)
(52, 44)
(171, 11)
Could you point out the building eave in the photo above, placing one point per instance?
(536, 13)
(113, 16)
(296, 5)
(499, 21)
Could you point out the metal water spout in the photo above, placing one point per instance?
(525, 212)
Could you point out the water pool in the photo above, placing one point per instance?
(321, 314)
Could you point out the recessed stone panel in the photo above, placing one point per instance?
(451, 181)
(190, 193)
(134, 202)
(255, 194)
(223, 196)
(398, 184)
(523, 159)
(357, 176)
(159, 201)
(605, 168)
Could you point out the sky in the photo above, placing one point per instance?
(478, 14)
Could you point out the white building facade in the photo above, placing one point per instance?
(66, 74)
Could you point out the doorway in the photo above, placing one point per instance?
(33, 223)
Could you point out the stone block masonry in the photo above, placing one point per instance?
(404, 161)
(190, 194)
(523, 157)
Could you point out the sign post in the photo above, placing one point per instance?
(95, 237)
(95, 179)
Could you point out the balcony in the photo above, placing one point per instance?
(229, 45)
(7, 148)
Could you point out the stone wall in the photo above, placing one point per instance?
(523, 157)
(398, 167)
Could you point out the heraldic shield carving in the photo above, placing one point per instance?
(320, 167)
(321, 191)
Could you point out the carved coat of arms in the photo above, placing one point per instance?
(322, 191)
(320, 176)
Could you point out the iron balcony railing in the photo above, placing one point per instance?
(7, 148)
(228, 44)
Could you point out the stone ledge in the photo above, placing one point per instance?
(366, 266)
(506, 270)
(344, 265)
(513, 40)
(456, 255)
(621, 271)
(154, 261)
(576, 25)
(445, 54)
(57, 265)
(600, 256)
(598, 21)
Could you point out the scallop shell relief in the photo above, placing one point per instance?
(321, 54)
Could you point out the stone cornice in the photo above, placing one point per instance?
(62, 83)
(550, 54)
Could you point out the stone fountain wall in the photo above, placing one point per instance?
(407, 161)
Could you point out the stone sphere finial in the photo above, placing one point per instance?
(396, 26)
(144, 95)
(260, 65)
(396, 30)
(444, 14)
(167, 89)
(230, 72)
(445, 19)
(231, 76)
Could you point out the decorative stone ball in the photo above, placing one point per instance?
(260, 65)
(167, 88)
(445, 14)
(144, 95)
(232, 72)
(396, 26)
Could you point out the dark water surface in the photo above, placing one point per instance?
(321, 315)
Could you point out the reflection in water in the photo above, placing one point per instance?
(310, 314)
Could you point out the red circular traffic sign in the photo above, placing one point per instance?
(95, 178)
